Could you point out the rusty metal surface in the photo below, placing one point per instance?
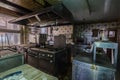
(5, 53)
(29, 73)
(12, 61)
(107, 45)
(83, 68)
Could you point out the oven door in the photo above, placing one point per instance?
(32, 60)
(47, 65)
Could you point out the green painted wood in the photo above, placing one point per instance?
(12, 61)
(29, 72)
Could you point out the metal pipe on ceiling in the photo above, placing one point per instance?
(107, 6)
(89, 8)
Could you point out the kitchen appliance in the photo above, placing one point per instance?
(51, 61)
(32, 57)
(47, 62)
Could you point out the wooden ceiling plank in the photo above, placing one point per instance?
(32, 15)
(13, 6)
(38, 3)
(36, 16)
(9, 12)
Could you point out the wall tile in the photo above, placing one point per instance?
(81, 30)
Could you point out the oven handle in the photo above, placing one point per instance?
(36, 56)
(46, 59)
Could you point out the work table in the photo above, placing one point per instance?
(29, 73)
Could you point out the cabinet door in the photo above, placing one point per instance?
(105, 75)
(33, 61)
(47, 66)
(82, 71)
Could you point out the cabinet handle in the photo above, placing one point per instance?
(93, 67)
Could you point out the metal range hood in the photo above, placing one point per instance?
(93, 10)
(74, 11)
(46, 17)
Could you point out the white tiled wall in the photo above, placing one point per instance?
(63, 30)
(66, 30)
(86, 29)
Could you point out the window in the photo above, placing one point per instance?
(8, 39)
(43, 30)
(8, 35)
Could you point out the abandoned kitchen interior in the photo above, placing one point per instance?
(59, 40)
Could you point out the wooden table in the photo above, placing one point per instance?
(29, 72)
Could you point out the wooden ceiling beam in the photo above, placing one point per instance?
(9, 31)
(9, 12)
(46, 4)
(31, 15)
(14, 7)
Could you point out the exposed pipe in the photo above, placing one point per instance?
(107, 6)
(89, 8)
